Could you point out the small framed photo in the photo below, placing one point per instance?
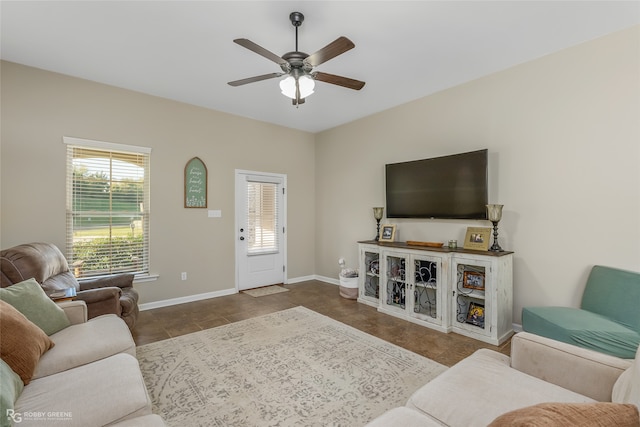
(475, 315)
(473, 280)
(387, 233)
(477, 238)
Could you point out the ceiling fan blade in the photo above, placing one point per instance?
(254, 79)
(261, 51)
(338, 80)
(333, 49)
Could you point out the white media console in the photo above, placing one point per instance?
(451, 290)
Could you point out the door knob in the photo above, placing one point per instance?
(242, 230)
(241, 237)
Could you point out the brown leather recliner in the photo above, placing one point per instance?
(47, 265)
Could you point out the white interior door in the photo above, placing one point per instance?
(260, 228)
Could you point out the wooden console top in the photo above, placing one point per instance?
(422, 247)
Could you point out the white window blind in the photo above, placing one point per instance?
(107, 208)
(262, 217)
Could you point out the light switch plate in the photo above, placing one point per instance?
(215, 213)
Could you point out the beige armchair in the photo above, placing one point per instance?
(47, 265)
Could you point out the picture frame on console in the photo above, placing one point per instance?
(477, 238)
(475, 314)
(388, 233)
(473, 280)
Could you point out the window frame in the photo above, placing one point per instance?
(143, 273)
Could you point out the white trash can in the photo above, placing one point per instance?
(349, 287)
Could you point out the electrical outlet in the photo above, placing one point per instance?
(183, 275)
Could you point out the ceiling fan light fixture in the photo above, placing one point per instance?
(288, 86)
(306, 84)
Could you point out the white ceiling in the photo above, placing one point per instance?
(183, 50)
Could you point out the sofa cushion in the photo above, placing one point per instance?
(22, 342)
(30, 300)
(11, 386)
(571, 414)
(485, 386)
(582, 328)
(105, 392)
(613, 293)
(627, 388)
(84, 343)
(61, 281)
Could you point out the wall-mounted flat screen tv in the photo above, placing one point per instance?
(453, 187)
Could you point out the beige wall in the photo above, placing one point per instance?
(562, 131)
(39, 108)
(563, 134)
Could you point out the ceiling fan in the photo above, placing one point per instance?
(298, 66)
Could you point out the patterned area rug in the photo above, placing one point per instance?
(291, 368)
(267, 290)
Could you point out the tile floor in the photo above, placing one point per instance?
(167, 322)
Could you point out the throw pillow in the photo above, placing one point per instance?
(571, 414)
(22, 342)
(11, 386)
(30, 300)
(627, 388)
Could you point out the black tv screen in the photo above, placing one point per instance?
(453, 187)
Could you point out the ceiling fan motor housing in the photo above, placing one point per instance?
(296, 18)
(295, 59)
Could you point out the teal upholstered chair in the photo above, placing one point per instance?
(607, 321)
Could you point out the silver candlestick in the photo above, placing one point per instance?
(377, 214)
(494, 214)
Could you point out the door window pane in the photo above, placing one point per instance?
(262, 218)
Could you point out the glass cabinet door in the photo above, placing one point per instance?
(425, 291)
(396, 285)
(470, 305)
(372, 275)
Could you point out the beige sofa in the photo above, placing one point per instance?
(488, 385)
(89, 378)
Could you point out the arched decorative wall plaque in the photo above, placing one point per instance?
(195, 184)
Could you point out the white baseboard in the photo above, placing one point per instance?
(330, 280)
(225, 292)
(190, 298)
(313, 277)
(300, 279)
